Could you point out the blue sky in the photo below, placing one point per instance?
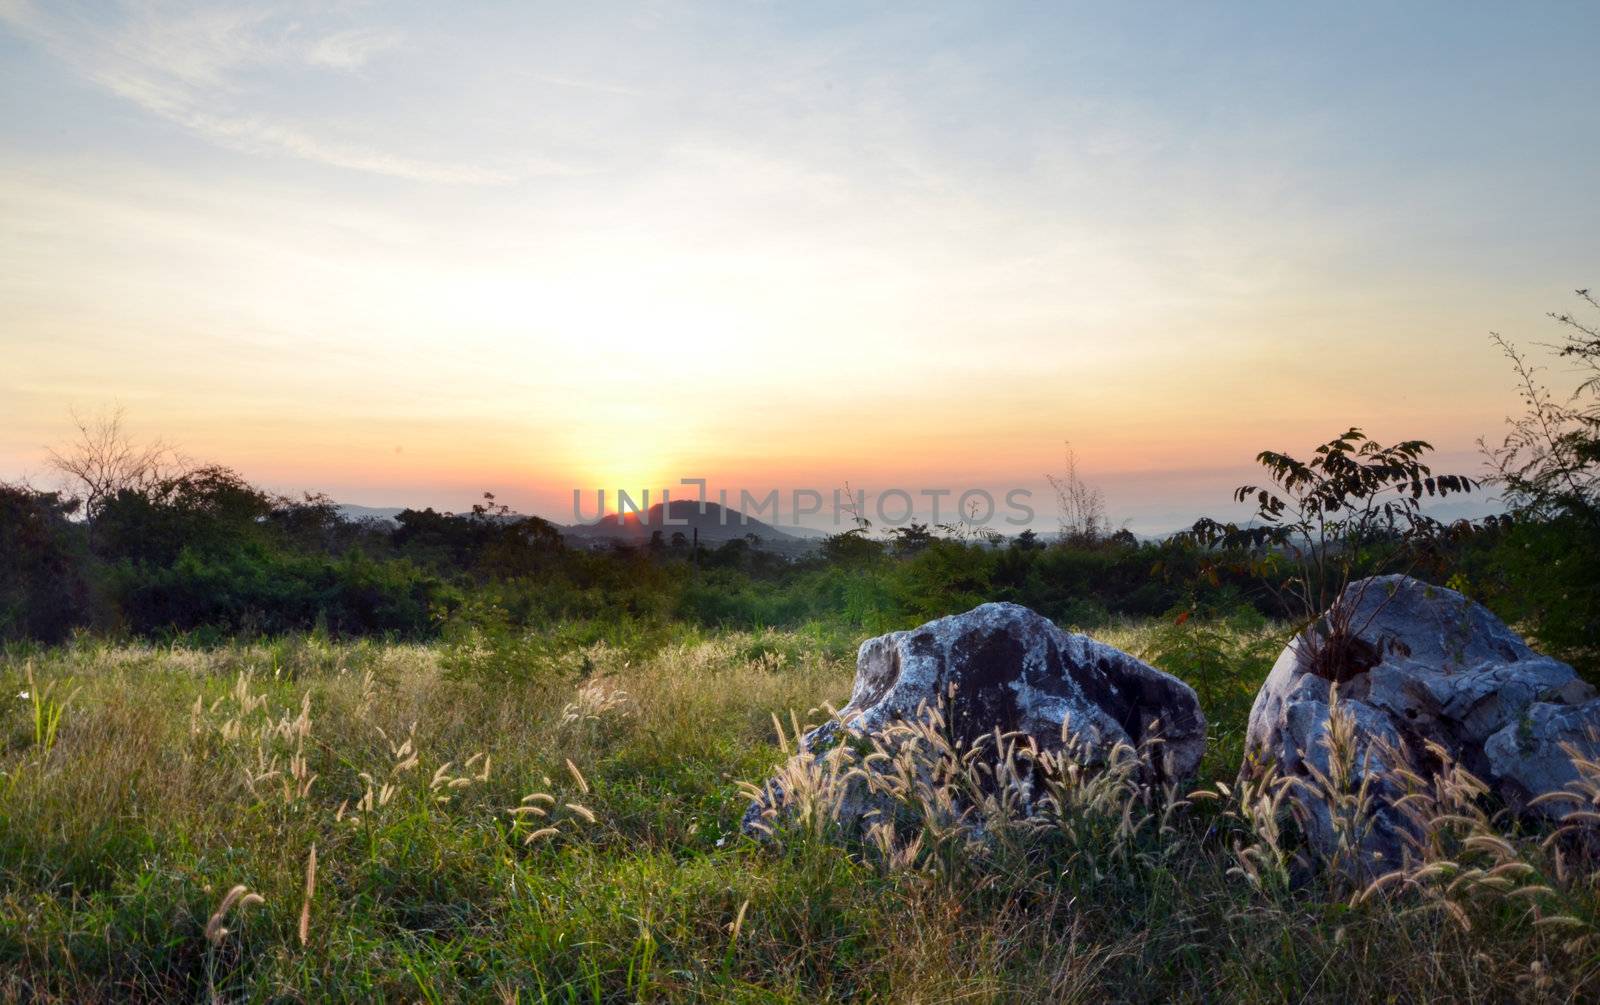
(402, 252)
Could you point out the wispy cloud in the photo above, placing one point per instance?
(189, 65)
(350, 50)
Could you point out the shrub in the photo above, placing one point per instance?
(1544, 570)
(45, 590)
(1353, 510)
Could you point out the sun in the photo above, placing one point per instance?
(624, 464)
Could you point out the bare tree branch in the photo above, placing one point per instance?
(1082, 508)
(104, 460)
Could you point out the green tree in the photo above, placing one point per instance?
(1351, 511)
(45, 588)
(911, 539)
(1028, 540)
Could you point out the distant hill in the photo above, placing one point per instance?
(809, 533)
(388, 514)
(713, 527)
(384, 514)
(714, 523)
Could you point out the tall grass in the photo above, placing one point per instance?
(413, 832)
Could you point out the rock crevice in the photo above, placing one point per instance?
(1448, 673)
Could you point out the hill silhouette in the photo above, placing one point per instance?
(715, 523)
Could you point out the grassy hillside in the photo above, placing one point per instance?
(174, 774)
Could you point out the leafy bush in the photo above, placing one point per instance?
(1353, 510)
(254, 590)
(1544, 569)
(45, 591)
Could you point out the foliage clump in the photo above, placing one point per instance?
(1351, 511)
(1540, 564)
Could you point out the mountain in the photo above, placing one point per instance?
(809, 533)
(714, 523)
(383, 514)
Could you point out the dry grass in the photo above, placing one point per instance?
(415, 835)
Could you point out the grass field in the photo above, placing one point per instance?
(406, 829)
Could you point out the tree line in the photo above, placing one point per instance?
(141, 541)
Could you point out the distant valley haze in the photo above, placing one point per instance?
(717, 524)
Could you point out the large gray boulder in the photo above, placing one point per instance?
(1424, 665)
(1013, 670)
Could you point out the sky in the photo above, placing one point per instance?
(404, 253)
